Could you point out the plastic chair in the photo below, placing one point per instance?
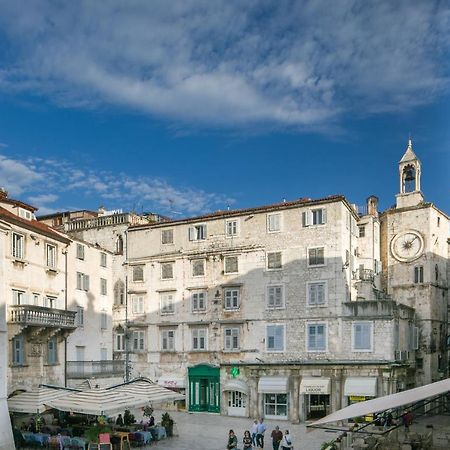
(77, 444)
(66, 442)
(105, 439)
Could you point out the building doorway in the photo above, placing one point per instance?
(317, 406)
(204, 388)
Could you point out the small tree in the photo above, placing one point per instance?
(128, 418)
(148, 411)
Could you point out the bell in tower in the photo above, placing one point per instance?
(409, 171)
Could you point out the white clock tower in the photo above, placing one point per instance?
(415, 249)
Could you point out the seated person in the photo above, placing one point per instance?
(119, 420)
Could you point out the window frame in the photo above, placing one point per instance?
(308, 337)
(83, 282)
(308, 256)
(197, 260)
(371, 336)
(134, 272)
(19, 297)
(163, 298)
(230, 339)
(103, 259)
(103, 320)
(361, 231)
(275, 350)
(50, 255)
(267, 260)
(309, 217)
(235, 230)
(274, 286)
(52, 353)
(137, 304)
(194, 233)
(79, 316)
(197, 330)
(80, 252)
(268, 222)
(138, 336)
(119, 338)
(193, 300)
(225, 259)
(170, 340)
(103, 286)
(17, 251)
(418, 274)
(325, 294)
(164, 233)
(167, 264)
(231, 307)
(18, 351)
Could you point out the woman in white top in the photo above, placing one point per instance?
(286, 442)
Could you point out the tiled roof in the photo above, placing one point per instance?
(32, 225)
(231, 213)
(11, 201)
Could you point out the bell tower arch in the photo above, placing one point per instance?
(409, 174)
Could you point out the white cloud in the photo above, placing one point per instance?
(229, 62)
(40, 179)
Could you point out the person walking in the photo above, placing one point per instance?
(232, 440)
(276, 436)
(254, 431)
(260, 430)
(286, 443)
(247, 441)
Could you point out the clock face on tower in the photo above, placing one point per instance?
(407, 246)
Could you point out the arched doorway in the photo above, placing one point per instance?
(204, 388)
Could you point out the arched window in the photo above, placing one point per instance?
(409, 179)
(119, 245)
(119, 293)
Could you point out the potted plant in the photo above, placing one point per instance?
(167, 422)
(99, 427)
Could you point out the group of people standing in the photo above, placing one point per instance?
(255, 438)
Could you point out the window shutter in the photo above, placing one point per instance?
(324, 215)
(191, 233)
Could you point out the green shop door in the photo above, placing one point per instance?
(204, 388)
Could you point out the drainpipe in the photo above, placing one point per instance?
(65, 307)
(127, 352)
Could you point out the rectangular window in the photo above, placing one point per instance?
(231, 296)
(274, 260)
(103, 259)
(275, 338)
(231, 339)
(316, 293)
(36, 298)
(82, 281)
(167, 304)
(273, 222)
(362, 336)
(17, 246)
(103, 320)
(276, 406)
(168, 340)
(50, 255)
(138, 340)
(316, 256)
(199, 301)
(137, 304)
(52, 351)
(103, 286)
(275, 298)
(198, 267)
(25, 214)
(80, 251)
(231, 228)
(197, 233)
(119, 342)
(231, 264)
(316, 216)
(50, 301)
(167, 271)
(166, 236)
(18, 297)
(80, 316)
(418, 274)
(138, 273)
(316, 337)
(18, 351)
(199, 338)
(362, 230)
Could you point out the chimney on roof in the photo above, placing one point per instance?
(3, 193)
(101, 210)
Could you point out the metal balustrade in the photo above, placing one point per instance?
(41, 316)
(87, 369)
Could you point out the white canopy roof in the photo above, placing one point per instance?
(273, 385)
(387, 402)
(236, 385)
(36, 400)
(115, 399)
(361, 386)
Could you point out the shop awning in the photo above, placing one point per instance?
(315, 385)
(115, 399)
(236, 385)
(35, 400)
(172, 382)
(273, 385)
(361, 386)
(387, 402)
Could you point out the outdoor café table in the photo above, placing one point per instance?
(123, 436)
(160, 432)
(36, 437)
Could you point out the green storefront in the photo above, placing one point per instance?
(204, 388)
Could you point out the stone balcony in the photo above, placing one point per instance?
(95, 369)
(104, 221)
(38, 318)
(377, 309)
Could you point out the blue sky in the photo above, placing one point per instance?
(186, 107)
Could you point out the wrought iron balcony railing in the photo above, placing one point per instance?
(30, 315)
(88, 369)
